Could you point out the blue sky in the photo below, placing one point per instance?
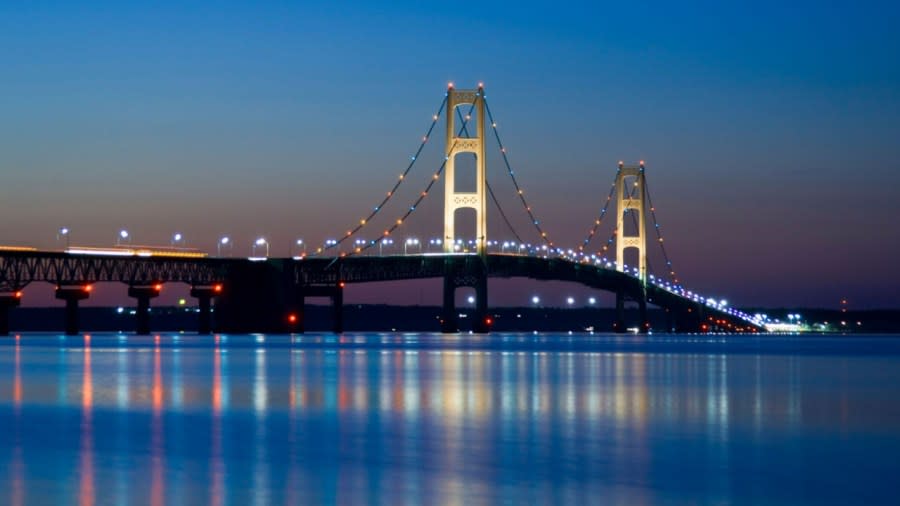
(769, 130)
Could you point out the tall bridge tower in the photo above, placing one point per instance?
(453, 199)
(632, 197)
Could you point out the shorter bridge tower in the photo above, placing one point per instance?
(632, 197)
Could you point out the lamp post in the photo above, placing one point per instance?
(260, 242)
(122, 237)
(223, 242)
(177, 238)
(410, 241)
(63, 232)
(388, 241)
(300, 245)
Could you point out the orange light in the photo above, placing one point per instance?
(342, 284)
(18, 295)
(158, 287)
(450, 85)
(292, 318)
(217, 288)
(87, 288)
(489, 320)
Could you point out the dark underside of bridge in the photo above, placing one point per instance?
(270, 295)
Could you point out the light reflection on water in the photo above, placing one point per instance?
(419, 418)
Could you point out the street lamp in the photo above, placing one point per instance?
(177, 238)
(570, 300)
(471, 299)
(122, 237)
(411, 241)
(535, 300)
(592, 301)
(259, 242)
(301, 245)
(223, 242)
(63, 232)
(386, 241)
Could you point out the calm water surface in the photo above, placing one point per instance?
(433, 419)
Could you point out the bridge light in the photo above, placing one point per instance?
(535, 300)
(158, 287)
(292, 318)
(217, 288)
(18, 295)
(570, 301)
(592, 301)
(471, 299)
(87, 288)
(341, 284)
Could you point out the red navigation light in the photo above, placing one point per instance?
(489, 321)
(158, 287)
(18, 295)
(217, 288)
(342, 284)
(292, 318)
(87, 288)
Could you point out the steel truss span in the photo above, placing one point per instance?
(18, 269)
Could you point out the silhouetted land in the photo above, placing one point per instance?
(425, 318)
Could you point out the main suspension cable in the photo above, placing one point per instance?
(662, 245)
(509, 225)
(512, 175)
(437, 175)
(364, 221)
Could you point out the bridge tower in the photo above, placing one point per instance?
(633, 198)
(467, 271)
(453, 199)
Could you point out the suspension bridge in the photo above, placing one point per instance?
(269, 294)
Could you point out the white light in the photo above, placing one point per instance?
(592, 300)
(177, 237)
(299, 242)
(260, 242)
(63, 231)
(123, 234)
(471, 299)
(570, 301)
(535, 299)
(224, 240)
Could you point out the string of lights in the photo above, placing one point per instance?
(512, 175)
(659, 236)
(490, 190)
(597, 221)
(365, 221)
(437, 175)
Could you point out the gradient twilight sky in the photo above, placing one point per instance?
(771, 132)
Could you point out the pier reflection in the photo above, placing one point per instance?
(388, 418)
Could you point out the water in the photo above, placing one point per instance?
(432, 419)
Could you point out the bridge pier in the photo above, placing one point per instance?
(296, 316)
(204, 296)
(449, 318)
(619, 326)
(459, 272)
(72, 294)
(143, 294)
(7, 302)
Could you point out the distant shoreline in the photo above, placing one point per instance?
(387, 318)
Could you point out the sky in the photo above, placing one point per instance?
(770, 131)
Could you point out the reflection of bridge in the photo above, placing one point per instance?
(268, 294)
